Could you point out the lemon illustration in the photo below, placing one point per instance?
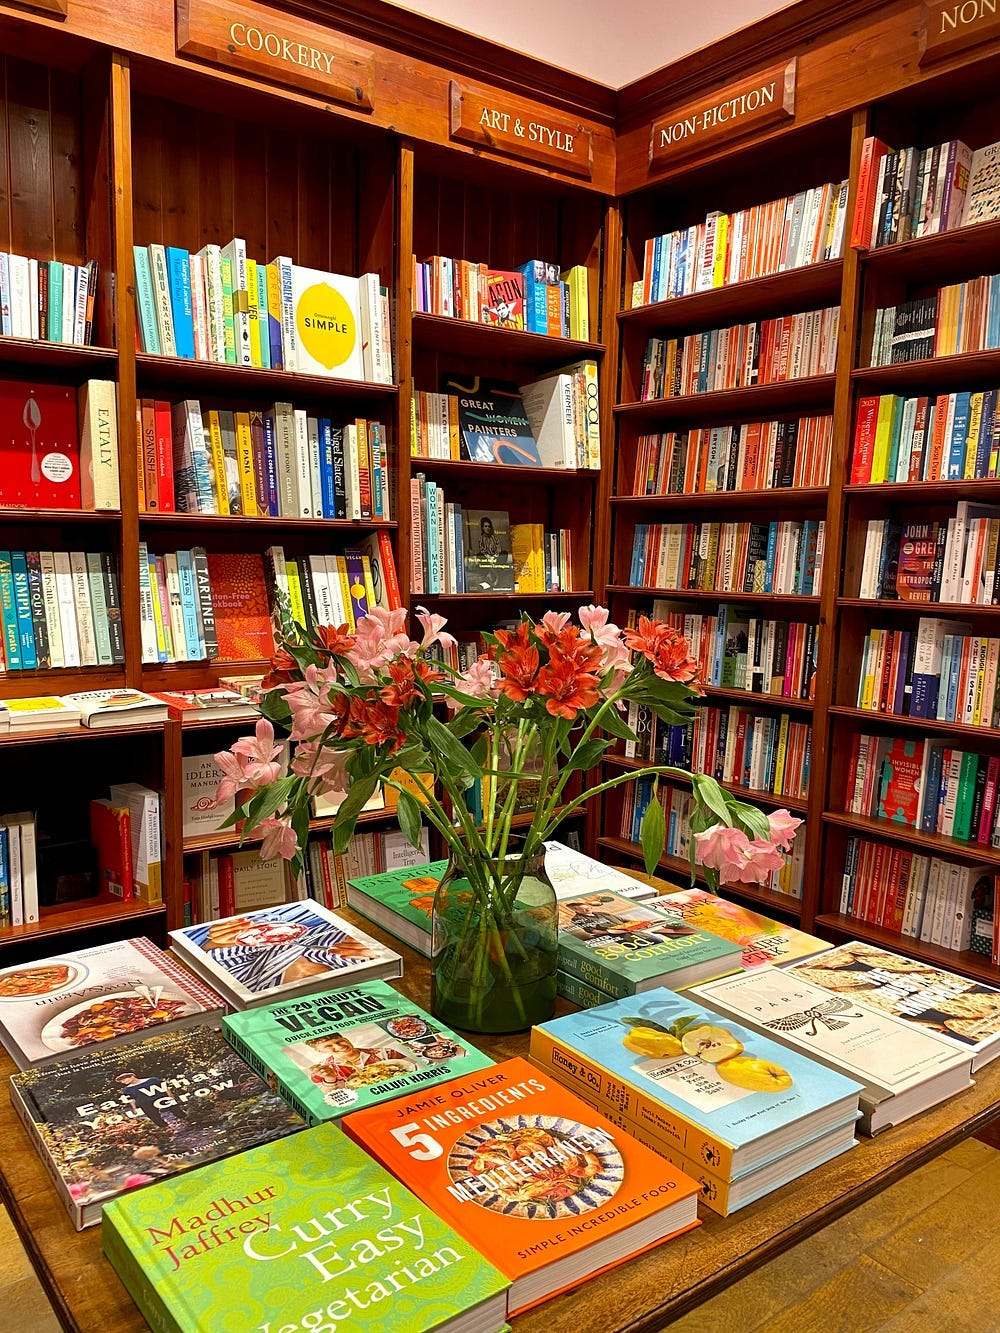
(711, 1044)
(744, 1071)
(650, 1042)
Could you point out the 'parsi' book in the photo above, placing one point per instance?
(958, 1009)
(112, 1119)
(904, 1071)
(308, 1234)
(622, 947)
(710, 1093)
(400, 901)
(540, 1183)
(346, 1049)
(761, 939)
(277, 952)
(110, 993)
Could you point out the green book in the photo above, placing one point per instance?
(54, 318)
(305, 1234)
(347, 1049)
(399, 901)
(966, 796)
(579, 992)
(621, 946)
(228, 315)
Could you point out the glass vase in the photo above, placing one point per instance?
(493, 944)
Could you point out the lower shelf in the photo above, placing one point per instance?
(82, 915)
(969, 964)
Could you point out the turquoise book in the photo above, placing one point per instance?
(308, 1235)
(399, 901)
(621, 946)
(347, 1049)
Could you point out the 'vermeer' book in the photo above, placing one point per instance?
(540, 1183)
(346, 1049)
(289, 949)
(621, 947)
(761, 939)
(108, 1121)
(904, 1071)
(111, 993)
(307, 1235)
(931, 999)
(400, 901)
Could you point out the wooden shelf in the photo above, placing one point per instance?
(225, 838)
(964, 250)
(807, 287)
(99, 362)
(781, 599)
(189, 377)
(584, 596)
(461, 337)
(783, 498)
(951, 610)
(84, 914)
(751, 698)
(463, 470)
(244, 524)
(724, 404)
(799, 804)
(931, 844)
(960, 730)
(32, 735)
(927, 492)
(965, 370)
(60, 680)
(969, 964)
(14, 514)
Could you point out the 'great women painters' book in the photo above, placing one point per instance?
(285, 950)
(346, 1049)
(308, 1235)
(112, 1119)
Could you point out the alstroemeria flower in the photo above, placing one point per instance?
(433, 625)
(782, 826)
(277, 839)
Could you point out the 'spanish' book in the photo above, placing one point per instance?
(931, 999)
(111, 1120)
(762, 940)
(400, 901)
(712, 1094)
(112, 992)
(545, 1187)
(347, 1049)
(904, 1071)
(306, 1235)
(621, 947)
(282, 951)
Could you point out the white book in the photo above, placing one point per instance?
(67, 608)
(289, 336)
(199, 308)
(147, 616)
(20, 319)
(275, 556)
(370, 307)
(98, 415)
(211, 256)
(24, 824)
(287, 464)
(385, 324)
(161, 300)
(5, 327)
(303, 470)
(548, 404)
(33, 296)
(930, 900)
(321, 588)
(175, 607)
(339, 613)
(84, 610)
(201, 776)
(71, 279)
(236, 253)
(50, 600)
(315, 474)
(327, 319)
(144, 820)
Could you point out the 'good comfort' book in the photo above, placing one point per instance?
(761, 939)
(346, 1049)
(540, 1183)
(276, 952)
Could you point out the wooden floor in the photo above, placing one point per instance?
(920, 1258)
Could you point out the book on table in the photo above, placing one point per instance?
(762, 939)
(343, 1050)
(545, 1187)
(904, 1071)
(110, 1120)
(101, 709)
(307, 1233)
(282, 951)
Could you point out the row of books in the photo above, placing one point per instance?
(941, 670)
(536, 296)
(802, 228)
(18, 870)
(946, 560)
(785, 556)
(906, 193)
(59, 609)
(280, 463)
(923, 897)
(221, 305)
(47, 299)
(953, 437)
(754, 456)
(768, 352)
(964, 317)
(928, 785)
(59, 446)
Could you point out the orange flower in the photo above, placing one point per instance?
(336, 639)
(518, 662)
(668, 651)
(282, 665)
(567, 686)
(377, 723)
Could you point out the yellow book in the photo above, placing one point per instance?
(883, 433)
(345, 592)
(719, 254)
(781, 752)
(414, 433)
(977, 712)
(948, 329)
(217, 455)
(521, 542)
(161, 638)
(366, 569)
(577, 279)
(454, 434)
(538, 557)
(140, 458)
(871, 654)
(253, 307)
(972, 436)
(295, 593)
(419, 785)
(274, 305)
(244, 461)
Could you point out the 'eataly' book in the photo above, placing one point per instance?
(762, 940)
(114, 1118)
(290, 949)
(544, 1186)
(904, 1071)
(308, 1235)
(346, 1049)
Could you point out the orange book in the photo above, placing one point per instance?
(140, 467)
(110, 834)
(544, 1187)
(239, 597)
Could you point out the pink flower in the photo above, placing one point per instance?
(234, 767)
(721, 845)
(433, 625)
(260, 754)
(608, 636)
(335, 778)
(379, 638)
(136, 1179)
(311, 761)
(556, 621)
(760, 859)
(277, 839)
(783, 826)
(479, 681)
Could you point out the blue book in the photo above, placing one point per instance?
(947, 651)
(721, 624)
(376, 449)
(993, 314)
(8, 614)
(148, 329)
(327, 492)
(928, 818)
(179, 286)
(954, 671)
(959, 431)
(271, 466)
(22, 606)
(981, 464)
(705, 360)
(535, 307)
(263, 319)
(770, 556)
(189, 604)
(339, 481)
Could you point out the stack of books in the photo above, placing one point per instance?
(45, 298)
(754, 456)
(944, 560)
(951, 437)
(18, 869)
(59, 609)
(963, 317)
(893, 678)
(762, 939)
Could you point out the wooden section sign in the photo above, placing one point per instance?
(518, 128)
(952, 26)
(277, 47)
(743, 108)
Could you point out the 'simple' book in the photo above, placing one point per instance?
(761, 939)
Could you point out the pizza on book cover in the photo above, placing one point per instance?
(39, 446)
(239, 599)
(303, 1235)
(347, 1049)
(762, 939)
(492, 421)
(545, 1187)
(504, 303)
(289, 949)
(109, 993)
(115, 1118)
(489, 560)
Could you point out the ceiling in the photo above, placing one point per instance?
(612, 41)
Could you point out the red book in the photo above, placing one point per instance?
(872, 152)
(899, 787)
(504, 304)
(39, 446)
(227, 885)
(864, 441)
(110, 833)
(893, 918)
(164, 448)
(239, 598)
(149, 467)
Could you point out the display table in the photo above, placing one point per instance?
(644, 1294)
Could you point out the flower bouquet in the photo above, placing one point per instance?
(541, 705)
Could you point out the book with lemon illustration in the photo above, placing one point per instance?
(762, 939)
(709, 1094)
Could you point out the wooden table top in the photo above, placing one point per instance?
(640, 1296)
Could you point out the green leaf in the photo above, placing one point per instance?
(652, 834)
(268, 800)
(707, 791)
(461, 763)
(613, 723)
(409, 814)
(753, 821)
(586, 756)
(645, 1023)
(347, 816)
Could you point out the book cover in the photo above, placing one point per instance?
(116, 1118)
(327, 318)
(201, 776)
(111, 836)
(113, 708)
(761, 939)
(492, 421)
(489, 560)
(289, 949)
(39, 446)
(542, 1185)
(242, 616)
(399, 901)
(344, 1050)
(302, 1235)
(504, 302)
